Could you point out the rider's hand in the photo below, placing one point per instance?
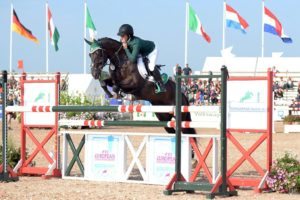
(124, 45)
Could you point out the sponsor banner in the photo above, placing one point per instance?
(247, 103)
(104, 157)
(39, 94)
(161, 159)
(146, 116)
(208, 115)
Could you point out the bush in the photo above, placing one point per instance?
(285, 175)
(66, 99)
(291, 119)
(80, 100)
(13, 154)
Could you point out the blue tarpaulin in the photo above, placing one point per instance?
(0, 112)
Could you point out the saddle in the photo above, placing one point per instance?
(146, 63)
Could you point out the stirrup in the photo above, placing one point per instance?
(159, 89)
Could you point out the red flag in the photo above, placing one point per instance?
(20, 64)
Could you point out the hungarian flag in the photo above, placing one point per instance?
(53, 32)
(18, 27)
(195, 24)
(90, 24)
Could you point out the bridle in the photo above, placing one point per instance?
(108, 62)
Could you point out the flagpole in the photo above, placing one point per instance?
(84, 36)
(10, 40)
(262, 30)
(186, 33)
(224, 24)
(47, 42)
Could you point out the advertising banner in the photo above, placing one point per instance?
(247, 103)
(161, 159)
(39, 94)
(104, 157)
(209, 116)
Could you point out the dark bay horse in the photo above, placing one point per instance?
(125, 75)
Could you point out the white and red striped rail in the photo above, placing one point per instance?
(122, 109)
(101, 123)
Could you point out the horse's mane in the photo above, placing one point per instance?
(110, 40)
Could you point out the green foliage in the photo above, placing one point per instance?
(66, 99)
(291, 119)
(285, 175)
(13, 153)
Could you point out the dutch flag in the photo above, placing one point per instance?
(234, 19)
(272, 25)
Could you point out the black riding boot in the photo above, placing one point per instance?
(158, 82)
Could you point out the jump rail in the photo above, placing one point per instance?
(121, 108)
(101, 123)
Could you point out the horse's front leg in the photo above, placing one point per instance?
(104, 84)
(118, 91)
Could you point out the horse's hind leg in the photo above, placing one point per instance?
(165, 117)
(187, 117)
(170, 130)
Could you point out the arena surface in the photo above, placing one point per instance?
(38, 188)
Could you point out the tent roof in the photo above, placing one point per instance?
(252, 64)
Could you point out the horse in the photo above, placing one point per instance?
(125, 75)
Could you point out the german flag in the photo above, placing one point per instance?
(18, 27)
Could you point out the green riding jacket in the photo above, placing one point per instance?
(138, 46)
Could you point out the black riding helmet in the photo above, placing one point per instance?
(126, 29)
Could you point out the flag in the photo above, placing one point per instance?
(18, 27)
(195, 24)
(272, 25)
(20, 64)
(90, 24)
(53, 32)
(234, 19)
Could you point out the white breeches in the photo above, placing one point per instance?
(152, 60)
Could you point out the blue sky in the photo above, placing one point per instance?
(162, 21)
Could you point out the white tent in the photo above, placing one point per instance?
(84, 84)
(252, 65)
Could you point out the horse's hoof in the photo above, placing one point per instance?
(115, 96)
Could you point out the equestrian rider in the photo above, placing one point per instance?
(136, 49)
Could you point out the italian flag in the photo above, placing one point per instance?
(53, 32)
(195, 24)
(90, 24)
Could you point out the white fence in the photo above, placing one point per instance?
(107, 156)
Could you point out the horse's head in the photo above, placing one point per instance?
(98, 56)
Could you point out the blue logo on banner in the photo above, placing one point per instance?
(110, 140)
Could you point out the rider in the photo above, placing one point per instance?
(136, 49)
